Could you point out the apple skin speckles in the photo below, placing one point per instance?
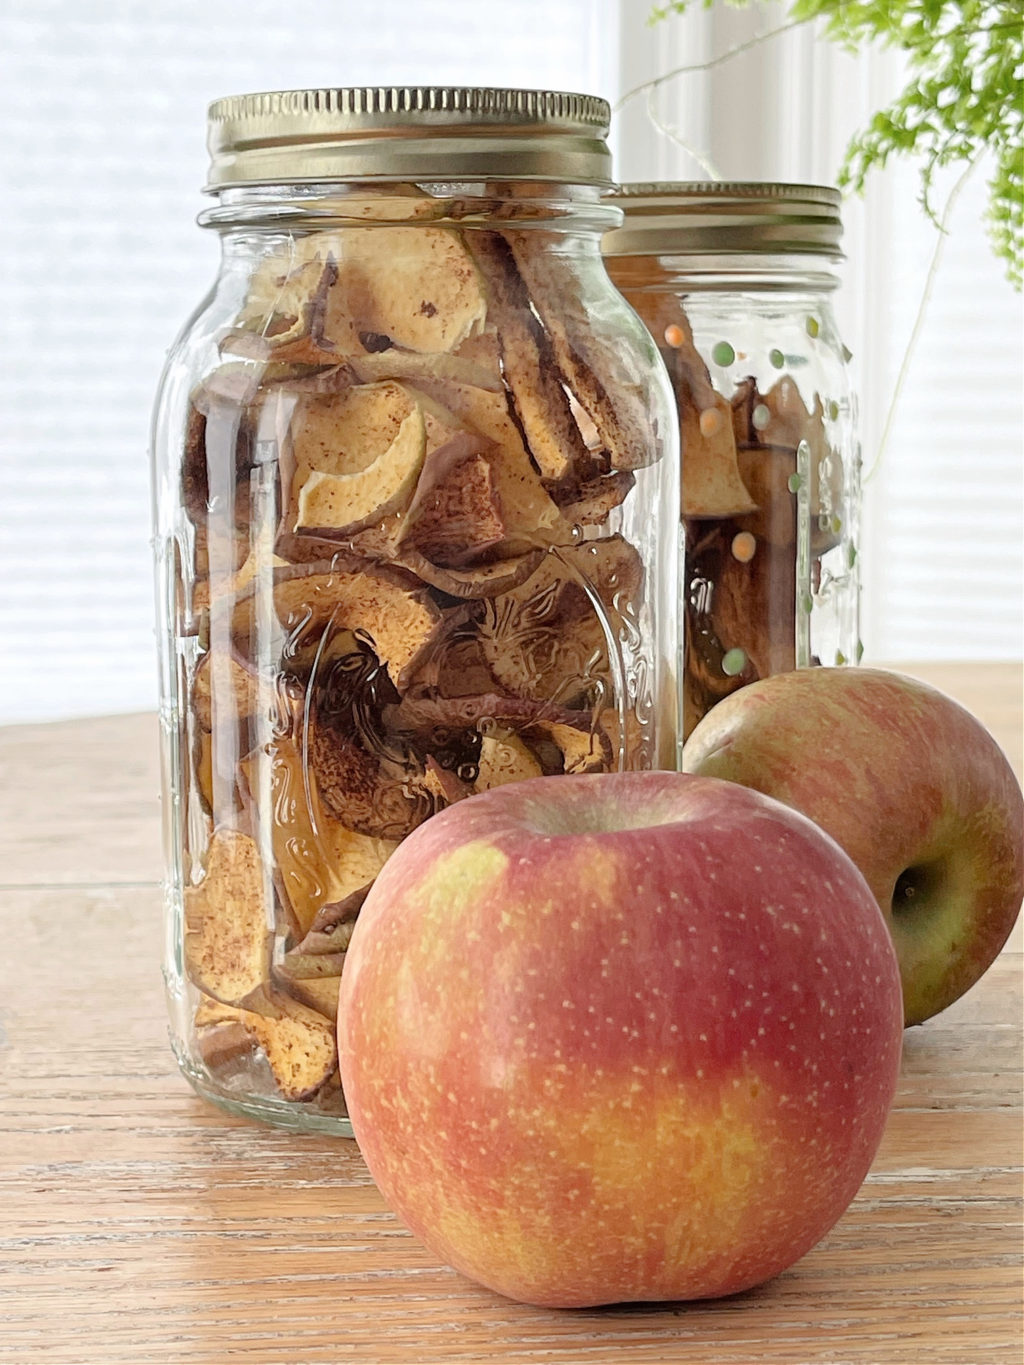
(584, 1070)
(910, 785)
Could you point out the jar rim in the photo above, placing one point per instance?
(716, 218)
(416, 133)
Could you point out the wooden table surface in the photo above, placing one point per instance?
(139, 1224)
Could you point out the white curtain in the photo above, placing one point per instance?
(101, 158)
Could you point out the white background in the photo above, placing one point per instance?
(102, 106)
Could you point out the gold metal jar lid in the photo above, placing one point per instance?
(418, 133)
(719, 218)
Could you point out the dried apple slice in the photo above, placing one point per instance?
(345, 432)
(591, 502)
(320, 655)
(319, 993)
(455, 515)
(387, 606)
(546, 638)
(317, 860)
(583, 747)
(473, 581)
(356, 787)
(222, 1042)
(781, 417)
(713, 485)
(611, 394)
(415, 368)
(286, 295)
(529, 513)
(505, 757)
(580, 745)
(223, 686)
(298, 1042)
(223, 562)
(227, 929)
(219, 448)
(530, 369)
(348, 502)
(332, 925)
(442, 784)
(456, 667)
(299, 966)
(416, 285)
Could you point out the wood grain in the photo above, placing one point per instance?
(139, 1224)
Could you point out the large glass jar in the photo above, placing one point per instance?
(416, 471)
(735, 283)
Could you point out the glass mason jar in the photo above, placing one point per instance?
(415, 472)
(735, 283)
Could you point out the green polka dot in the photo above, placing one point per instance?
(807, 604)
(833, 410)
(794, 483)
(777, 358)
(723, 353)
(761, 416)
(836, 525)
(733, 661)
(841, 657)
(813, 326)
(851, 555)
(860, 650)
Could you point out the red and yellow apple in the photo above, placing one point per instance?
(912, 786)
(619, 1037)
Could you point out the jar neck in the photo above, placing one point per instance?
(556, 207)
(766, 272)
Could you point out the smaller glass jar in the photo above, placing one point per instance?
(734, 282)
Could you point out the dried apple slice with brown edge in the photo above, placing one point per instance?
(711, 484)
(224, 686)
(531, 373)
(455, 515)
(221, 580)
(346, 503)
(319, 993)
(317, 861)
(297, 974)
(358, 435)
(580, 744)
(415, 285)
(286, 294)
(360, 787)
(504, 757)
(337, 433)
(546, 638)
(592, 365)
(780, 417)
(388, 607)
(228, 933)
(530, 515)
(219, 444)
(475, 580)
(415, 368)
(456, 667)
(331, 929)
(591, 501)
(298, 1041)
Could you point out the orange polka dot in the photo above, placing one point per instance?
(710, 421)
(744, 547)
